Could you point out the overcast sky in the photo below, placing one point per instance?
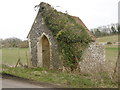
(17, 16)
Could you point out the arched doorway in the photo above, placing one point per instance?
(45, 51)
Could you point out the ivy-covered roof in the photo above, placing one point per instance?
(77, 19)
(61, 19)
(70, 32)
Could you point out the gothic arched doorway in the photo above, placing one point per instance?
(44, 52)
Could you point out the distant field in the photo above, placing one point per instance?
(111, 54)
(11, 55)
(111, 51)
(113, 38)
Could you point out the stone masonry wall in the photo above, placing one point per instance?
(37, 30)
(92, 59)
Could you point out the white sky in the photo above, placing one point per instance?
(17, 16)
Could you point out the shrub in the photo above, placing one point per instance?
(109, 42)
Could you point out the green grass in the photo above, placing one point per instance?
(111, 53)
(113, 38)
(56, 77)
(11, 55)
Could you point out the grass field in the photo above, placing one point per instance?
(113, 38)
(10, 56)
(111, 53)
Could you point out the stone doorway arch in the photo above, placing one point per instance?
(44, 52)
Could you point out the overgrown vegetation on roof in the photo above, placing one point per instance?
(71, 36)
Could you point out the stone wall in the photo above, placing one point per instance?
(93, 58)
(38, 29)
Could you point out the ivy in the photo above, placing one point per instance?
(72, 37)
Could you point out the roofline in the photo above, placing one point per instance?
(89, 32)
(33, 23)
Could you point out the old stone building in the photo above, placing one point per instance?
(44, 48)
